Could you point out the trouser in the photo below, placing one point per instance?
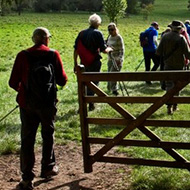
(95, 67)
(148, 56)
(170, 85)
(112, 85)
(31, 119)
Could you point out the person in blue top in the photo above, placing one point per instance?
(150, 50)
(187, 25)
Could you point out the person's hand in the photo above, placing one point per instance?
(75, 68)
(109, 49)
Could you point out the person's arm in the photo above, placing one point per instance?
(75, 57)
(159, 50)
(15, 77)
(61, 77)
(108, 50)
(186, 48)
(155, 40)
(121, 48)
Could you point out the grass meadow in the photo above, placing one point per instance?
(15, 35)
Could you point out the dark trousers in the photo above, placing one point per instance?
(148, 56)
(95, 67)
(31, 119)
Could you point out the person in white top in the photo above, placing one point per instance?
(116, 57)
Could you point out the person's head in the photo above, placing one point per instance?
(41, 35)
(112, 29)
(176, 25)
(187, 22)
(95, 20)
(155, 25)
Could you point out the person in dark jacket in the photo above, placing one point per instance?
(93, 41)
(31, 117)
(174, 49)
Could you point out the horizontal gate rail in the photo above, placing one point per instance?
(128, 122)
(148, 122)
(151, 99)
(142, 143)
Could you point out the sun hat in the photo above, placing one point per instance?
(41, 32)
(176, 24)
(187, 22)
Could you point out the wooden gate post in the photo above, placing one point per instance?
(83, 122)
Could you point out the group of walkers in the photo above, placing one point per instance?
(38, 69)
(94, 41)
(172, 53)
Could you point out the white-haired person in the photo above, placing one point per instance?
(88, 45)
(115, 59)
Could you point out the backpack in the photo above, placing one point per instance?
(41, 88)
(144, 38)
(86, 56)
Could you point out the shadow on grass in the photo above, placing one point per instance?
(137, 88)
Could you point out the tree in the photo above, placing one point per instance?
(114, 8)
(145, 2)
(19, 5)
(188, 5)
(132, 6)
(146, 10)
(4, 5)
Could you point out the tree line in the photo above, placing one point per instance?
(6, 6)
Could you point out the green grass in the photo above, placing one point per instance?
(15, 35)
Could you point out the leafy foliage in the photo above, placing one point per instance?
(188, 6)
(146, 2)
(114, 8)
(132, 6)
(146, 10)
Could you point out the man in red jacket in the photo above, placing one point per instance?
(32, 116)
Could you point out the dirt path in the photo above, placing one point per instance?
(105, 176)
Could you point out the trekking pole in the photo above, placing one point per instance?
(137, 67)
(116, 67)
(9, 113)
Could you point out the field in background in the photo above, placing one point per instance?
(15, 35)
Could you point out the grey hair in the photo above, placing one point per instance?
(94, 20)
(112, 24)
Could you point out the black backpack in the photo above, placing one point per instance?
(143, 38)
(41, 87)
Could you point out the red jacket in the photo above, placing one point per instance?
(19, 75)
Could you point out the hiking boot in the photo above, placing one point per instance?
(115, 92)
(91, 106)
(148, 82)
(49, 173)
(175, 108)
(170, 110)
(25, 185)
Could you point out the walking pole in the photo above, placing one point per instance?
(9, 113)
(137, 67)
(116, 67)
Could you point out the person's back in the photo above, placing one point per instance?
(173, 47)
(151, 47)
(91, 40)
(32, 115)
(150, 50)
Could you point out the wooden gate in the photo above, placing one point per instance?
(181, 78)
